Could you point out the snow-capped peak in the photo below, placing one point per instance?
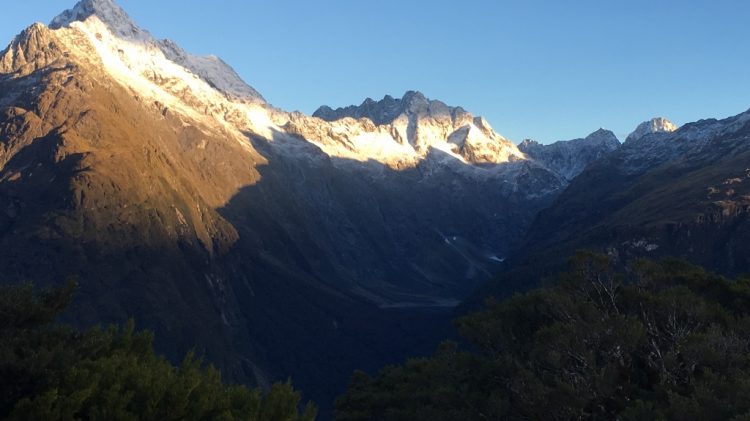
(108, 12)
(214, 71)
(655, 125)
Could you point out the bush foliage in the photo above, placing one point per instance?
(658, 340)
(55, 372)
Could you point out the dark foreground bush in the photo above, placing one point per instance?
(53, 372)
(662, 340)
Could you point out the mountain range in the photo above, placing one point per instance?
(279, 244)
(673, 192)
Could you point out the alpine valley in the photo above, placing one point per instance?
(282, 245)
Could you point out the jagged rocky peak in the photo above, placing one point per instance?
(388, 109)
(528, 144)
(602, 137)
(655, 125)
(30, 50)
(410, 128)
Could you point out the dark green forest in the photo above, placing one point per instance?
(654, 340)
(54, 372)
(649, 341)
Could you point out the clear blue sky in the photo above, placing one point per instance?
(547, 70)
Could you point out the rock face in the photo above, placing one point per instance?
(570, 158)
(98, 183)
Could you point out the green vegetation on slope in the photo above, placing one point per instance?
(54, 372)
(660, 340)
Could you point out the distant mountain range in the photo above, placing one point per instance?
(673, 192)
(280, 244)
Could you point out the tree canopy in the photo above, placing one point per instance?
(656, 340)
(54, 372)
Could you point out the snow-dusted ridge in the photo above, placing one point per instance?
(206, 89)
(396, 132)
(211, 69)
(417, 125)
(570, 157)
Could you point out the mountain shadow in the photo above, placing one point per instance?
(342, 265)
